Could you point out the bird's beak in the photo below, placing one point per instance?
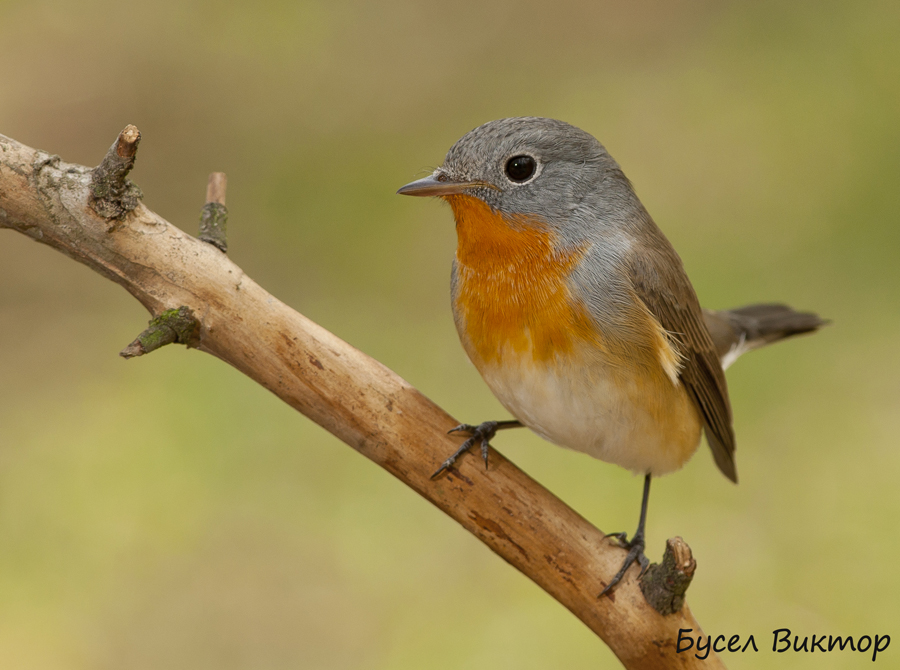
(432, 186)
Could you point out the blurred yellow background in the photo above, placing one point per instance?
(168, 513)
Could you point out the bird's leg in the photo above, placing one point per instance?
(636, 546)
(482, 433)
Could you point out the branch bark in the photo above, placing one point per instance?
(348, 393)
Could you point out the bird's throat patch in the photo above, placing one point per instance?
(512, 296)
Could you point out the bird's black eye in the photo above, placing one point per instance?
(520, 168)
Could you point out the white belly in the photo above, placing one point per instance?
(603, 411)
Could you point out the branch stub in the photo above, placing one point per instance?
(214, 216)
(112, 195)
(174, 325)
(664, 585)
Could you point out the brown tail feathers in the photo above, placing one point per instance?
(737, 331)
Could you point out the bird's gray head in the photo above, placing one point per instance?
(534, 166)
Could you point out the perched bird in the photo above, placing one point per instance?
(577, 311)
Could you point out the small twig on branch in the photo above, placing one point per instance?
(214, 218)
(664, 585)
(348, 393)
(112, 195)
(173, 325)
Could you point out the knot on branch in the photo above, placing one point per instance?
(112, 195)
(664, 585)
(174, 325)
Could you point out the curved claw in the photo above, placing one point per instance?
(621, 538)
(464, 447)
(444, 466)
(635, 553)
(645, 564)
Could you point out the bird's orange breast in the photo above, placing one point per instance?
(576, 381)
(512, 296)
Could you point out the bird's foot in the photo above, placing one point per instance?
(481, 434)
(635, 549)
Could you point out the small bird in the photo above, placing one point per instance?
(577, 311)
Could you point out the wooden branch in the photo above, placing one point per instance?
(351, 395)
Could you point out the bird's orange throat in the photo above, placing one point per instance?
(512, 298)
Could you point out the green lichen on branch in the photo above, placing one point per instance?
(172, 326)
(213, 222)
(112, 194)
(664, 585)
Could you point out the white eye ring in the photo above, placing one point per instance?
(521, 168)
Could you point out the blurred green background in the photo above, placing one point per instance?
(168, 513)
